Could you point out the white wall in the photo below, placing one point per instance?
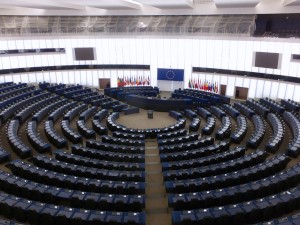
(161, 52)
(258, 88)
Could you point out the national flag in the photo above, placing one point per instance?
(217, 87)
(143, 80)
(119, 82)
(195, 83)
(124, 80)
(127, 81)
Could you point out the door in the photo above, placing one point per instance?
(241, 93)
(223, 89)
(104, 83)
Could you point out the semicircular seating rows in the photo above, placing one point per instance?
(70, 162)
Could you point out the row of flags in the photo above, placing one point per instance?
(134, 81)
(209, 86)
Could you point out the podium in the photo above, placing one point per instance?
(150, 114)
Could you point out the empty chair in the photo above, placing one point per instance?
(278, 133)
(84, 130)
(209, 126)
(35, 139)
(225, 130)
(217, 112)
(69, 132)
(258, 133)
(176, 115)
(245, 110)
(294, 123)
(4, 155)
(17, 145)
(258, 108)
(230, 110)
(238, 135)
(97, 163)
(195, 124)
(53, 136)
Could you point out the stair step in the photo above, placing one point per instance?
(151, 155)
(153, 172)
(157, 210)
(152, 163)
(150, 148)
(156, 195)
(158, 218)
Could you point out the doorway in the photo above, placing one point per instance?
(104, 83)
(223, 89)
(241, 93)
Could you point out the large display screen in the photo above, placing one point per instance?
(266, 60)
(84, 54)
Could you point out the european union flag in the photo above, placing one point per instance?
(170, 74)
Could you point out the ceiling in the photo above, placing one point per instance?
(146, 7)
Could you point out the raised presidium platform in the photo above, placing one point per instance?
(120, 93)
(157, 104)
(146, 97)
